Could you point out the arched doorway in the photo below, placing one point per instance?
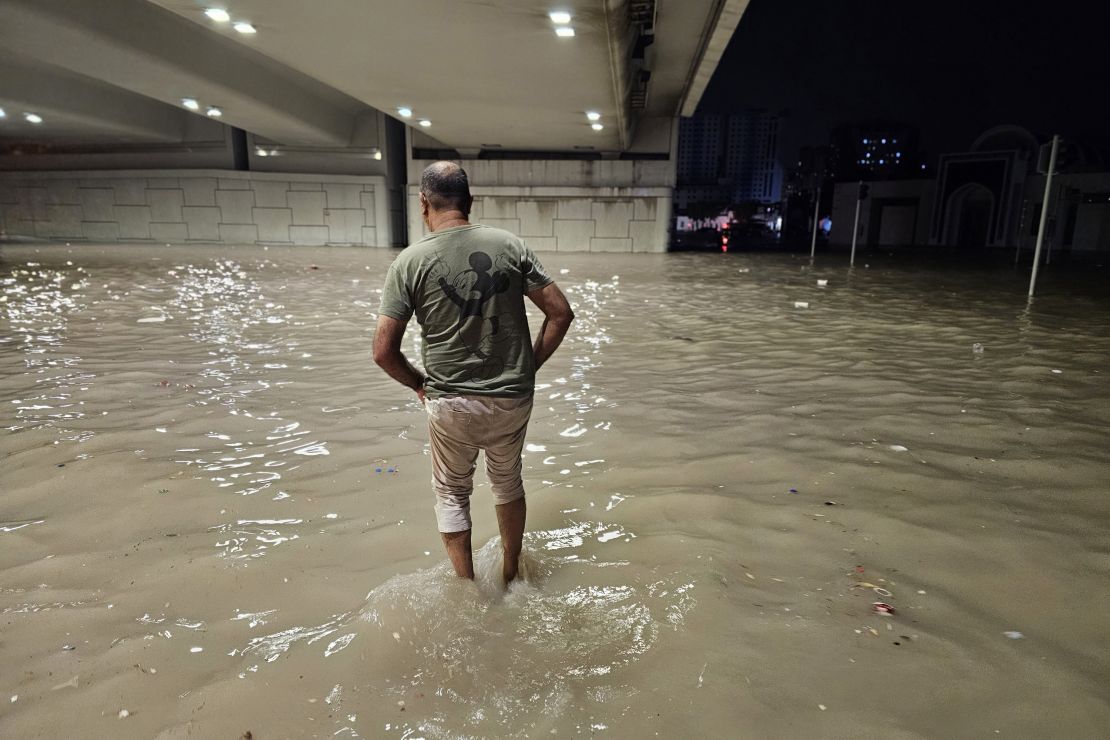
(968, 216)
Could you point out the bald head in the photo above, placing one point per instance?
(445, 186)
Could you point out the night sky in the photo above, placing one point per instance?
(952, 68)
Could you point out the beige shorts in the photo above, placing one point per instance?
(460, 426)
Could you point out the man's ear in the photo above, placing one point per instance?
(424, 207)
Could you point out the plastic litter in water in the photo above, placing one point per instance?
(124, 714)
(977, 348)
(822, 283)
(1013, 634)
(1057, 371)
(801, 304)
(196, 649)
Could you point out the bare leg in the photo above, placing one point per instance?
(458, 550)
(510, 520)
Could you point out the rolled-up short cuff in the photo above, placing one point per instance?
(453, 519)
(508, 495)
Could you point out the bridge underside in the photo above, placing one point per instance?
(351, 88)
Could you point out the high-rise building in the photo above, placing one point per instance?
(729, 159)
(876, 151)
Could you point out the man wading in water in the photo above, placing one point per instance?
(466, 284)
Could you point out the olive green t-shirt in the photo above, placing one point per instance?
(466, 286)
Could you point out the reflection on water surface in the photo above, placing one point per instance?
(215, 512)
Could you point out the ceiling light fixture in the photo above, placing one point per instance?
(425, 122)
(564, 32)
(261, 152)
(244, 27)
(596, 126)
(33, 117)
(560, 17)
(378, 154)
(404, 112)
(3, 114)
(218, 14)
(593, 115)
(214, 112)
(190, 104)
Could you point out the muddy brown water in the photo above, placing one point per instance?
(215, 511)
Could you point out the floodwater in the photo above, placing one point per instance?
(215, 511)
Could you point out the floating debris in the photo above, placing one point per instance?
(1013, 634)
(801, 304)
(883, 608)
(124, 714)
(70, 684)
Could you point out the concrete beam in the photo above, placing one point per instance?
(73, 105)
(718, 32)
(137, 46)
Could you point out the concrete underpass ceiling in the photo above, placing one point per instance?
(484, 72)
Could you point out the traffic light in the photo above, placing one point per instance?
(864, 188)
(1067, 156)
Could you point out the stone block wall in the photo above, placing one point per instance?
(197, 206)
(570, 219)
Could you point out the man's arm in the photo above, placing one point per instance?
(387, 354)
(557, 316)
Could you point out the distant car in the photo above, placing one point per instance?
(699, 239)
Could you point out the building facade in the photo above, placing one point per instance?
(726, 159)
(987, 197)
(876, 150)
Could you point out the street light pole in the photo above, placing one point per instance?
(1044, 214)
(855, 224)
(816, 212)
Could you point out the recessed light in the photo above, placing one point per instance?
(404, 112)
(214, 112)
(564, 31)
(425, 122)
(33, 117)
(262, 152)
(596, 126)
(190, 104)
(561, 17)
(593, 115)
(218, 14)
(244, 27)
(378, 154)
